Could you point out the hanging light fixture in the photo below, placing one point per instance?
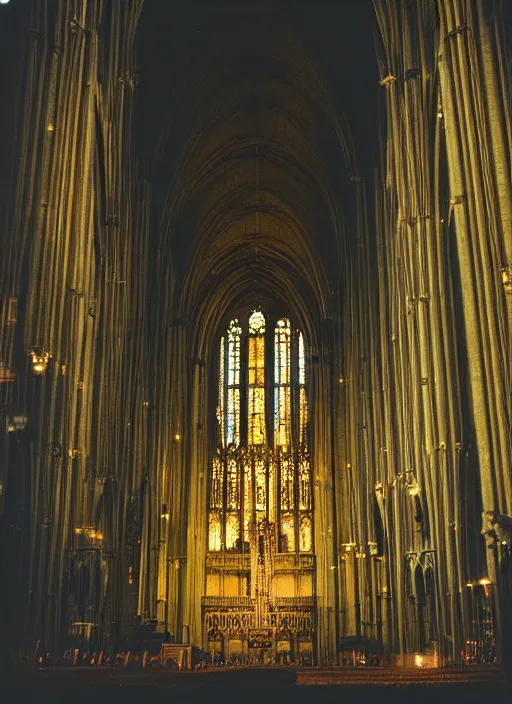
(15, 423)
(506, 278)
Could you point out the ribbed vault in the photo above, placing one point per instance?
(253, 203)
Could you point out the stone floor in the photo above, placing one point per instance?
(112, 685)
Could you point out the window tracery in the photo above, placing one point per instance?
(232, 402)
(261, 471)
(282, 396)
(256, 401)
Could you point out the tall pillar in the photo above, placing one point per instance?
(480, 194)
(326, 559)
(197, 501)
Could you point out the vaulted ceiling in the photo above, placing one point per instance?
(245, 124)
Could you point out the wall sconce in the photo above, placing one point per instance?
(90, 533)
(373, 547)
(506, 278)
(7, 375)
(40, 359)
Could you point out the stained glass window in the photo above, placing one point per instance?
(260, 472)
(254, 478)
(232, 531)
(233, 385)
(256, 398)
(221, 416)
(303, 401)
(282, 397)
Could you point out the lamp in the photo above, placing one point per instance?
(40, 359)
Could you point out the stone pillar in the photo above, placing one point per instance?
(197, 502)
(326, 559)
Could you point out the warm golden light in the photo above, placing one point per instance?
(7, 375)
(418, 660)
(506, 278)
(177, 437)
(485, 581)
(89, 532)
(40, 360)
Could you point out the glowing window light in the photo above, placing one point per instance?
(216, 484)
(282, 398)
(256, 368)
(232, 403)
(304, 484)
(232, 531)
(221, 416)
(214, 532)
(250, 484)
(303, 400)
(260, 475)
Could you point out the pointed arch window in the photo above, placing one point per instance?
(261, 469)
(282, 385)
(256, 366)
(303, 399)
